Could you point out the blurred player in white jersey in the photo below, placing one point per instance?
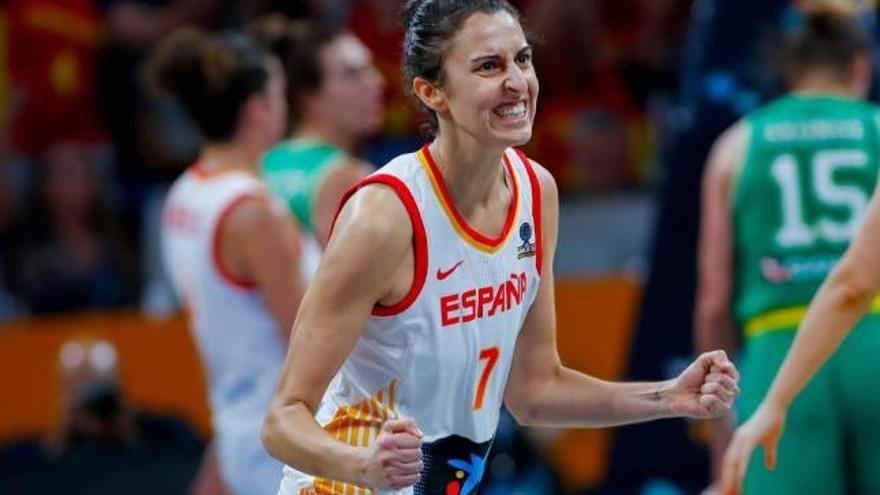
(231, 250)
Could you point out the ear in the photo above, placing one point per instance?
(252, 109)
(430, 95)
(861, 74)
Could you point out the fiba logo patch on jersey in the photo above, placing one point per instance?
(527, 248)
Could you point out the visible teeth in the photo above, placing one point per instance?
(515, 110)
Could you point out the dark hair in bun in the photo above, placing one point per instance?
(210, 76)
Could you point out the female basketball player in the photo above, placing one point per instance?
(335, 96)
(434, 301)
(231, 251)
(785, 191)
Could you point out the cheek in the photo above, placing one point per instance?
(281, 116)
(471, 103)
(534, 85)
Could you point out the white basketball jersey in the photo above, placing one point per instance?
(239, 341)
(442, 355)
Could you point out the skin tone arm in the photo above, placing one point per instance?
(337, 182)
(368, 260)
(542, 392)
(273, 262)
(714, 327)
(841, 302)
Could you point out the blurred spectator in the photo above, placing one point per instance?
(52, 49)
(377, 23)
(140, 23)
(93, 413)
(8, 211)
(152, 137)
(68, 253)
(599, 63)
(247, 10)
(102, 443)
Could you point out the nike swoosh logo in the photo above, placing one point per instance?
(443, 275)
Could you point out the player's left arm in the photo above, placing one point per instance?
(542, 392)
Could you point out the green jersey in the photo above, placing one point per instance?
(294, 171)
(809, 171)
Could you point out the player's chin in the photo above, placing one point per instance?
(514, 137)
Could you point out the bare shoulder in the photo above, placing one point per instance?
(549, 190)
(258, 214)
(347, 173)
(375, 218)
(545, 178)
(729, 148)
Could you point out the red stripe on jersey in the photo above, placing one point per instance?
(536, 210)
(446, 198)
(225, 274)
(420, 240)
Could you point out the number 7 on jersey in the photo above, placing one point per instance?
(490, 355)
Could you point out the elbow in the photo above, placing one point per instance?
(523, 401)
(711, 311)
(710, 322)
(852, 289)
(524, 413)
(271, 432)
(529, 395)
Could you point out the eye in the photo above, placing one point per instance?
(523, 58)
(487, 66)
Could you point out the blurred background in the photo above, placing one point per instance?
(101, 387)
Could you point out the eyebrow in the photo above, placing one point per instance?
(487, 58)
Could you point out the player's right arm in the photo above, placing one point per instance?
(367, 261)
(844, 298)
(714, 327)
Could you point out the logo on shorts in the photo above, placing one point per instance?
(468, 476)
(527, 248)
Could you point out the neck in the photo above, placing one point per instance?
(326, 133)
(219, 156)
(470, 170)
(821, 84)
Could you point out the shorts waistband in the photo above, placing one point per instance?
(786, 318)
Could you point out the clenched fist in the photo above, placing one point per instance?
(394, 460)
(707, 388)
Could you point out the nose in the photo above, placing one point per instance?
(515, 83)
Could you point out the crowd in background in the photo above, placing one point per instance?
(86, 153)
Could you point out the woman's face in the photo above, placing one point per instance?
(491, 90)
(351, 92)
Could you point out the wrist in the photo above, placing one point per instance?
(360, 466)
(664, 395)
(773, 406)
